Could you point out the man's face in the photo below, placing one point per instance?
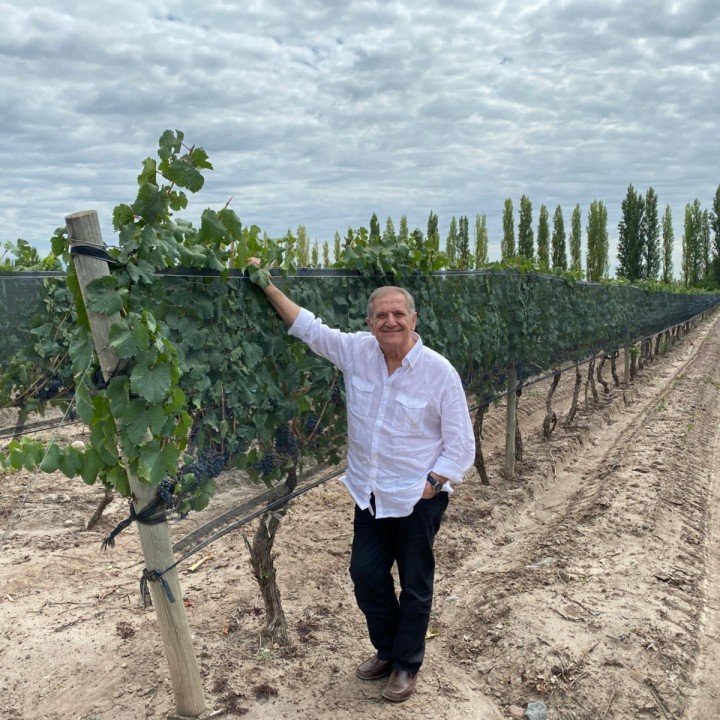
(392, 323)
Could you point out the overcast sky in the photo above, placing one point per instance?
(320, 113)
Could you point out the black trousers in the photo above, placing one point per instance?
(397, 626)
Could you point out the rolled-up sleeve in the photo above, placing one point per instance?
(327, 342)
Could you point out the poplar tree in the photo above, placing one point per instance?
(651, 237)
(705, 247)
(337, 247)
(451, 243)
(374, 229)
(403, 233)
(526, 244)
(303, 246)
(389, 233)
(597, 259)
(559, 253)
(692, 257)
(433, 233)
(326, 254)
(576, 240)
(631, 241)
(315, 255)
(507, 247)
(543, 239)
(668, 236)
(715, 238)
(481, 240)
(463, 244)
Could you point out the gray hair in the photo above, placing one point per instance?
(387, 290)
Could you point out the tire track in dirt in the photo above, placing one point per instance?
(616, 552)
(628, 430)
(705, 696)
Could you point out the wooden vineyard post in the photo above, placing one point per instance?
(510, 421)
(84, 229)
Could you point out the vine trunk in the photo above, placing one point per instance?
(479, 457)
(263, 565)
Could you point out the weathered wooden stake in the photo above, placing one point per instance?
(510, 421)
(84, 229)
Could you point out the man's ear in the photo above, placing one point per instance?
(369, 322)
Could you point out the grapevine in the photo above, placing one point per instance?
(209, 365)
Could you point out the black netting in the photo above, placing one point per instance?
(477, 319)
(22, 307)
(226, 333)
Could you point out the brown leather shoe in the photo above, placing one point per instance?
(401, 686)
(374, 669)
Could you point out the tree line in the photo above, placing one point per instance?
(646, 241)
(645, 248)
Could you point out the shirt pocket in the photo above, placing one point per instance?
(409, 414)
(361, 395)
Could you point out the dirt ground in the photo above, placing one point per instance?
(590, 583)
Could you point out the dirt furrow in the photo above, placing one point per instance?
(619, 560)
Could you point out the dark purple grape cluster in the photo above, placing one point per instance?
(208, 464)
(336, 398)
(285, 441)
(213, 462)
(267, 463)
(312, 424)
(50, 389)
(166, 492)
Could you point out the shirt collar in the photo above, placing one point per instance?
(412, 357)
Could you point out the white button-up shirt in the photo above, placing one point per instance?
(400, 426)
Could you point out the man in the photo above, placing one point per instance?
(409, 437)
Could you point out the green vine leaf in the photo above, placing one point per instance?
(91, 466)
(153, 384)
(105, 297)
(170, 143)
(252, 354)
(117, 395)
(122, 215)
(81, 350)
(70, 462)
(183, 172)
(117, 477)
(140, 272)
(195, 256)
(122, 340)
(51, 461)
(157, 461)
(137, 420)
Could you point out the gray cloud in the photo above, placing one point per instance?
(320, 114)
